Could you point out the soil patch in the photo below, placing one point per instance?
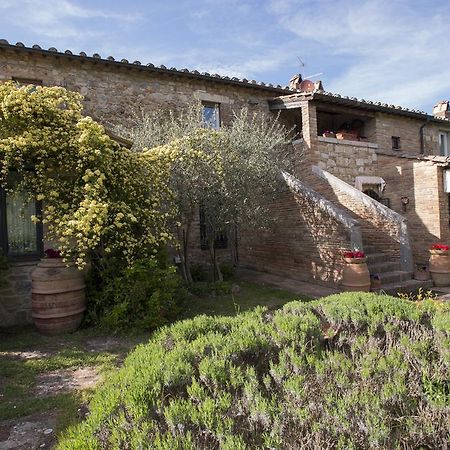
(65, 380)
(29, 433)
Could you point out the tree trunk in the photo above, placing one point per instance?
(217, 273)
(185, 257)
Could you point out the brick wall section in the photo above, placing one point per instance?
(427, 211)
(305, 243)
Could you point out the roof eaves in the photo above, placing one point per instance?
(369, 105)
(435, 159)
(110, 61)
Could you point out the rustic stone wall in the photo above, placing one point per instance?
(305, 243)
(346, 159)
(113, 93)
(15, 294)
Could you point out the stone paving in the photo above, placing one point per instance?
(298, 287)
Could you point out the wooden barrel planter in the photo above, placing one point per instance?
(355, 275)
(57, 296)
(439, 267)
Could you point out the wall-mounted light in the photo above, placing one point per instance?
(405, 201)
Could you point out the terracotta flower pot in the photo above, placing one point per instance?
(439, 267)
(348, 136)
(57, 296)
(355, 275)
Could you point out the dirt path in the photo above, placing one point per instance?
(31, 369)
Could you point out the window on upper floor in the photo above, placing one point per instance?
(211, 115)
(19, 235)
(443, 143)
(396, 143)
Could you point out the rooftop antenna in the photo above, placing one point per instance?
(302, 64)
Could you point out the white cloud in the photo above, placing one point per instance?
(394, 51)
(58, 18)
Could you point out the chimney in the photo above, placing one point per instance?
(442, 110)
(294, 82)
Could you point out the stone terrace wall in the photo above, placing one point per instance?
(346, 159)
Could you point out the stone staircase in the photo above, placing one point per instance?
(393, 280)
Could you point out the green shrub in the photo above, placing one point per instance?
(198, 272)
(227, 271)
(144, 296)
(352, 371)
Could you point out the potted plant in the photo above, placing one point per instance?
(439, 265)
(57, 295)
(355, 274)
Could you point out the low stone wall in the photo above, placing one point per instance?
(15, 294)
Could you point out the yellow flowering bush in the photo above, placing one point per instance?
(98, 197)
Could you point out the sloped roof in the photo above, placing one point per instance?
(112, 63)
(435, 159)
(291, 100)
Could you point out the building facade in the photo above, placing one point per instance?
(368, 176)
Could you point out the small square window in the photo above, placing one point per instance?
(395, 143)
(211, 115)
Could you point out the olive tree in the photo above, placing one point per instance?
(232, 173)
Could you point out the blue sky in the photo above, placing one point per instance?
(394, 51)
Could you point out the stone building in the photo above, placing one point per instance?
(370, 176)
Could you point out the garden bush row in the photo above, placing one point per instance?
(351, 371)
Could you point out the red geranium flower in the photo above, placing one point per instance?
(355, 254)
(52, 253)
(439, 247)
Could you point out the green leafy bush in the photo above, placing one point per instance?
(143, 296)
(352, 371)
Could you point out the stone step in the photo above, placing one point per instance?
(373, 258)
(408, 286)
(396, 276)
(383, 267)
